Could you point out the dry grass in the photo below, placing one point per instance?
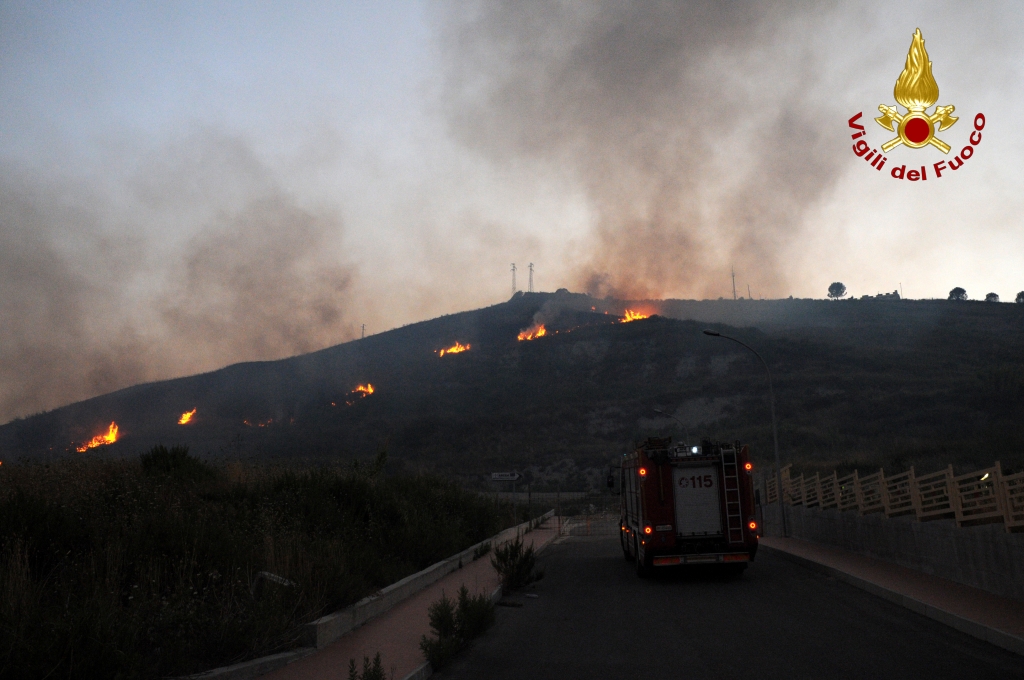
(148, 568)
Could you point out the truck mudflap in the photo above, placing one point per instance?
(705, 558)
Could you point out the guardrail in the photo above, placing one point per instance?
(981, 497)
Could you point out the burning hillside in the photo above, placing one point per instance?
(186, 417)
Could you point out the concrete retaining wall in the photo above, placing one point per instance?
(327, 629)
(984, 557)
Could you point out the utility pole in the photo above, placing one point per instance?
(733, 283)
(513, 278)
(531, 277)
(775, 428)
(364, 332)
(749, 296)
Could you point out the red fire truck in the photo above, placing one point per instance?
(688, 505)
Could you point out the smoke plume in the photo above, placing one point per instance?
(170, 261)
(692, 125)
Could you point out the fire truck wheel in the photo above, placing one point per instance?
(643, 570)
(625, 546)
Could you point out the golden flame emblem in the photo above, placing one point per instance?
(916, 90)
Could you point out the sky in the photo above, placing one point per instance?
(191, 184)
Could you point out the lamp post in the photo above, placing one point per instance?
(775, 429)
(669, 415)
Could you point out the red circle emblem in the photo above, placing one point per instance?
(917, 130)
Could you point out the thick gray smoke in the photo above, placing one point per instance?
(192, 257)
(694, 127)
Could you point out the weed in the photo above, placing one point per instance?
(370, 672)
(455, 623)
(515, 564)
(481, 550)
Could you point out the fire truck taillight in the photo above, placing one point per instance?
(748, 467)
(647, 529)
(643, 472)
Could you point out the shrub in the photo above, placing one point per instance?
(370, 672)
(455, 623)
(515, 564)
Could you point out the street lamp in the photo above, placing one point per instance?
(775, 429)
(669, 415)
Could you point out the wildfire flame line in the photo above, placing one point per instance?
(633, 316)
(533, 332)
(186, 417)
(101, 439)
(455, 349)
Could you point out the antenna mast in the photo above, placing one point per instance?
(364, 331)
(749, 296)
(513, 278)
(531, 277)
(733, 283)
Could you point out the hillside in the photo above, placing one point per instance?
(858, 382)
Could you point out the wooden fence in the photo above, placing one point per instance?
(980, 497)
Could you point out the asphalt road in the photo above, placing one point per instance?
(595, 619)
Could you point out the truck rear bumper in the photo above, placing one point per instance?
(703, 558)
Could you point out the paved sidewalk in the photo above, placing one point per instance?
(396, 633)
(998, 620)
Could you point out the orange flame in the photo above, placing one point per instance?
(101, 439)
(533, 332)
(456, 348)
(264, 423)
(633, 316)
(360, 392)
(186, 417)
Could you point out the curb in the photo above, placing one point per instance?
(993, 636)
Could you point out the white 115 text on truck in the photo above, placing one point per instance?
(687, 505)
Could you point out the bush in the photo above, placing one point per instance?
(455, 623)
(370, 672)
(175, 462)
(515, 564)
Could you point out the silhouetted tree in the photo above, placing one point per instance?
(958, 293)
(992, 297)
(836, 290)
(1020, 297)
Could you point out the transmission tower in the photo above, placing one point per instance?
(733, 283)
(364, 331)
(531, 277)
(513, 278)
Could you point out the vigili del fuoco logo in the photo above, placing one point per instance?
(916, 90)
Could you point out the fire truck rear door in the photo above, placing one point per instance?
(697, 501)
